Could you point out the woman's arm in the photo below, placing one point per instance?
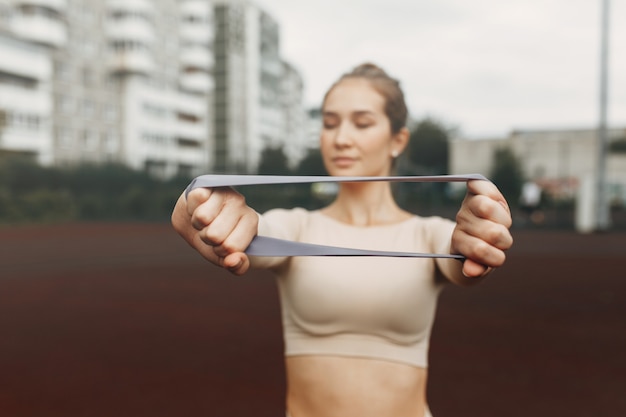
(218, 224)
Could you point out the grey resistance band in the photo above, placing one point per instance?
(268, 246)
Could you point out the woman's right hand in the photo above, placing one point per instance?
(218, 224)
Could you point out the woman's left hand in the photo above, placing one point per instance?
(482, 229)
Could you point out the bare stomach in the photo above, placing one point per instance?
(332, 386)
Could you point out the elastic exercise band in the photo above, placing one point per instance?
(268, 246)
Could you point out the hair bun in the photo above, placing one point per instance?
(367, 69)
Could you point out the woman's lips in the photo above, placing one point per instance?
(343, 161)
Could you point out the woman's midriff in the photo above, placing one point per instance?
(332, 386)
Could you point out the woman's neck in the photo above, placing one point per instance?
(366, 204)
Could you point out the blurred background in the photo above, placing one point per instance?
(103, 98)
(108, 108)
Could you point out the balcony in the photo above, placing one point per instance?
(201, 83)
(40, 29)
(200, 8)
(136, 30)
(141, 7)
(198, 58)
(200, 34)
(131, 61)
(191, 104)
(24, 60)
(27, 127)
(192, 132)
(21, 100)
(59, 6)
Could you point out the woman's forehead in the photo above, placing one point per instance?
(354, 94)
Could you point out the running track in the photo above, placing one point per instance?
(125, 320)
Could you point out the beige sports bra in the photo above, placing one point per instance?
(376, 307)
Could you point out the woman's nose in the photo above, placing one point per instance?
(343, 136)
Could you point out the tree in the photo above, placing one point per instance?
(273, 162)
(507, 174)
(311, 164)
(427, 154)
(428, 149)
(618, 146)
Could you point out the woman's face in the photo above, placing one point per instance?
(356, 136)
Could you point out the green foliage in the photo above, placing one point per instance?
(507, 174)
(429, 148)
(426, 154)
(274, 162)
(30, 193)
(311, 164)
(618, 146)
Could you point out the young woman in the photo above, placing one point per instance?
(356, 329)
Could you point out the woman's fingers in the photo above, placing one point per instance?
(237, 263)
(492, 232)
(195, 198)
(219, 224)
(485, 201)
(473, 269)
(479, 250)
(240, 236)
(482, 233)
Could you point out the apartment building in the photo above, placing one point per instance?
(25, 100)
(130, 80)
(175, 87)
(258, 96)
(295, 116)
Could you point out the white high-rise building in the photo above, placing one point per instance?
(295, 116)
(257, 95)
(175, 87)
(25, 100)
(131, 80)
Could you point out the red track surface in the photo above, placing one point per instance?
(126, 320)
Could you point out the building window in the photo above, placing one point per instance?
(21, 121)
(62, 70)
(90, 140)
(89, 108)
(127, 45)
(110, 142)
(155, 110)
(155, 139)
(65, 137)
(89, 76)
(65, 103)
(110, 112)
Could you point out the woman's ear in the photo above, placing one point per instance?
(400, 140)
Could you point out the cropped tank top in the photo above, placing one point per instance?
(370, 307)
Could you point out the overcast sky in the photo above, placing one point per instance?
(485, 66)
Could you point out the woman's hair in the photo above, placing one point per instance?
(389, 88)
